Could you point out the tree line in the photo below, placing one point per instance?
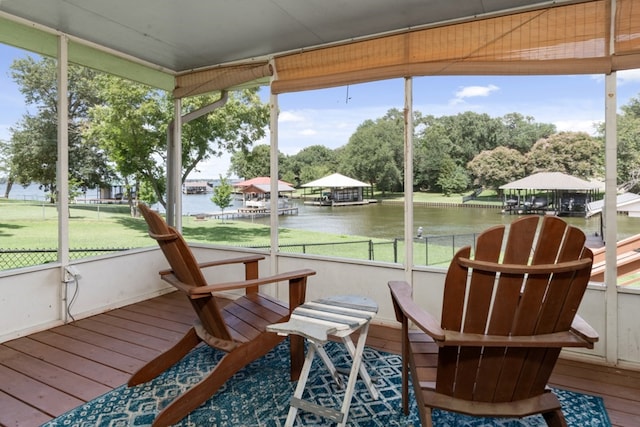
(453, 154)
(118, 134)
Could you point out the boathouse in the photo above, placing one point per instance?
(550, 192)
(340, 191)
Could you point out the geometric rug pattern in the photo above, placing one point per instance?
(259, 394)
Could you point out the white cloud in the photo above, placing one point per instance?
(290, 116)
(473, 91)
(577, 125)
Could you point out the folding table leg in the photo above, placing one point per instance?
(302, 381)
(330, 366)
(355, 370)
(348, 343)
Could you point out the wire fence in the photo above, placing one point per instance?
(16, 258)
(428, 250)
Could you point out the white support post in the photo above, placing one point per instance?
(273, 103)
(62, 175)
(610, 220)
(174, 169)
(610, 209)
(408, 178)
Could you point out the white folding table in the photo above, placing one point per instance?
(316, 321)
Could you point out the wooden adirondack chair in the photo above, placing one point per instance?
(238, 328)
(505, 318)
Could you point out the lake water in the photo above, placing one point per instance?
(374, 220)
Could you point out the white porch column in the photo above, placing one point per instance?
(610, 220)
(273, 104)
(174, 169)
(62, 166)
(610, 208)
(408, 178)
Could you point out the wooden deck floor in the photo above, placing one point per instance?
(48, 373)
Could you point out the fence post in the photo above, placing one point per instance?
(304, 249)
(453, 245)
(426, 250)
(370, 250)
(395, 250)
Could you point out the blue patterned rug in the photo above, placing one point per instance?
(259, 395)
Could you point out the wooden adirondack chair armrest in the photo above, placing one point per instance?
(291, 276)
(581, 328)
(245, 260)
(405, 306)
(496, 267)
(553, 340)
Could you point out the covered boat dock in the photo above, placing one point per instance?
(553, 193)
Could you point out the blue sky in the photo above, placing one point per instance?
(330, 116)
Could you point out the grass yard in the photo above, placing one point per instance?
(29, 225)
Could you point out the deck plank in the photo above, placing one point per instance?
(92, 352)
(48, 399)
(101, 352)
(16, 413)
(46, 373)
(70, 362)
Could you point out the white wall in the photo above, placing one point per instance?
(31, 299)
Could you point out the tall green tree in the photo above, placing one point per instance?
(256, 162)
(493, 168)
(433, 147)
(132, 126)
(33, 143)
(521, 132)
(453, 178)
(629, 145)
(472, 133)
(574, 153)
(374, 153)
(311, 163)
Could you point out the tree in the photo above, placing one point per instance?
(573, 153)
(250, 164)
(33, 151)
(453, 178)
(222, 195)
(493, 168)
(229, 129)
(311, 163)
(432, 150)
(132, 127)
(374, 153)
(471, 133)
(629, 145)
(522, 132)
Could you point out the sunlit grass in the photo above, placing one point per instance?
(35, 226)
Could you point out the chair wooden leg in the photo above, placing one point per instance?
(165, 360)
(428, 417)
(555, 418)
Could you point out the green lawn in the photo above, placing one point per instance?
(25, 225)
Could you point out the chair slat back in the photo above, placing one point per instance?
(185, 268)
(489, 302)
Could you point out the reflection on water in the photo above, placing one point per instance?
(377, 220)
(387, 221)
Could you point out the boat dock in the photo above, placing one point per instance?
(242, 213)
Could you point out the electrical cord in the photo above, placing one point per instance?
(73, 298)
